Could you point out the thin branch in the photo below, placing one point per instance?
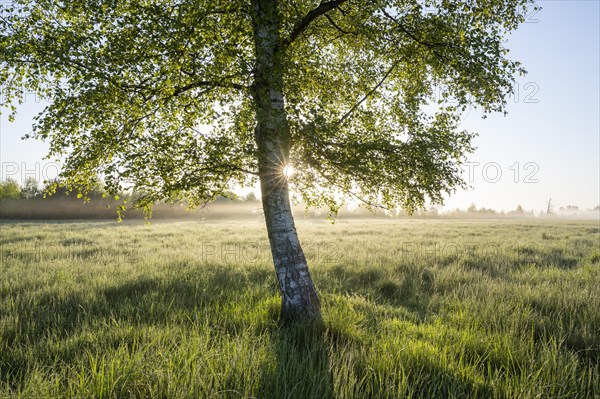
(349, 192)
(370, 93)
(336, 26)
(205, 83)
(311, 16)
(430, 46)
(250, 172)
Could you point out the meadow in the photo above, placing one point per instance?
(411, 309)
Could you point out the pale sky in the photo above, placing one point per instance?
(548, 146)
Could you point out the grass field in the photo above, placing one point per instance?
(429, 309)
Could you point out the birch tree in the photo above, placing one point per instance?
(188, 99)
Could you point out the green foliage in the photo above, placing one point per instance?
(9, 189)
(30, 188)
(157, 95)
(411, 309)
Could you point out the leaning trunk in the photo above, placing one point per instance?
(299, 297)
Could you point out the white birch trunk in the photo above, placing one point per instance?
(299, 297)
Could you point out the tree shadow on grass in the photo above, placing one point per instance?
(302, 367)
(406, 287)
(550, 322)
(561, 258)
(43, 318)
(431, 380)
(304, 370)
(50, 324)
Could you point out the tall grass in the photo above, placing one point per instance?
(411, 309)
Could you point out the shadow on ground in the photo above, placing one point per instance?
(302, 354)
(303, 368)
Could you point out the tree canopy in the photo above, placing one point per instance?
(158, 94)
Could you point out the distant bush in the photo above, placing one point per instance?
(9, 189)
(30, 189)
(251, 197)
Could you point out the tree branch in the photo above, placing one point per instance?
(205, 83)
(336, 26)
(311, 16)
(347, 191)
(430, 46)
(373, 90)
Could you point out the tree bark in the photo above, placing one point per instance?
(299, 297)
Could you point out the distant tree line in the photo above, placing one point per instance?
(519, 212)
(27, 198)
(11, 189)
(33, 200)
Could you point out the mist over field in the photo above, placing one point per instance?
(57, 208)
